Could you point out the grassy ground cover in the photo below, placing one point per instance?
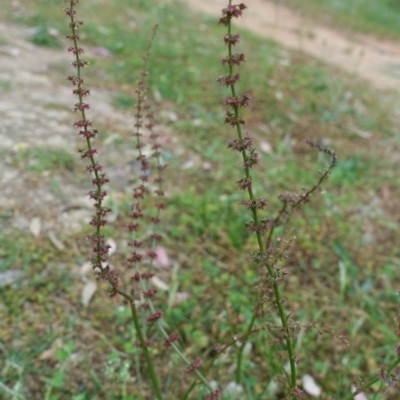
(378, 17)
(344, 266)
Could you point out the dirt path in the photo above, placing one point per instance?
(378, 62)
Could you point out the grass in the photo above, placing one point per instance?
(377, 17)
(345, 262)
(42, 37)
(4, 86)
(42, 159)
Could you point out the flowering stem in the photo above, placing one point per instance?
(100, 249)
(258, 225)
(250, 159)
(85, 132)
(136, 214)
(289, 207)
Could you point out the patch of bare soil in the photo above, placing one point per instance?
(36, 112)
(378, 62)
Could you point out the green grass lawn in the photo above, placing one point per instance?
(343, 267)
(377, 17)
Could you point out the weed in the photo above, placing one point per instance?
(206, 238)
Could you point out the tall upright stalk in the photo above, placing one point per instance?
(265, 255)
(243, 145)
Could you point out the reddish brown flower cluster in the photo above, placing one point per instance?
(231, 11)
(213, 396)
(99, 179)
(173, 337)
(144, 275)
(257, 203)
(228, 80)
(234, 59)
(244, 143)
(193, 366)
(238, 101)
(154, 317)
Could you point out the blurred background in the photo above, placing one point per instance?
(322, 70)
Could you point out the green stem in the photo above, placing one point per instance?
(172, 344)
(146, 353)
(139, 332)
